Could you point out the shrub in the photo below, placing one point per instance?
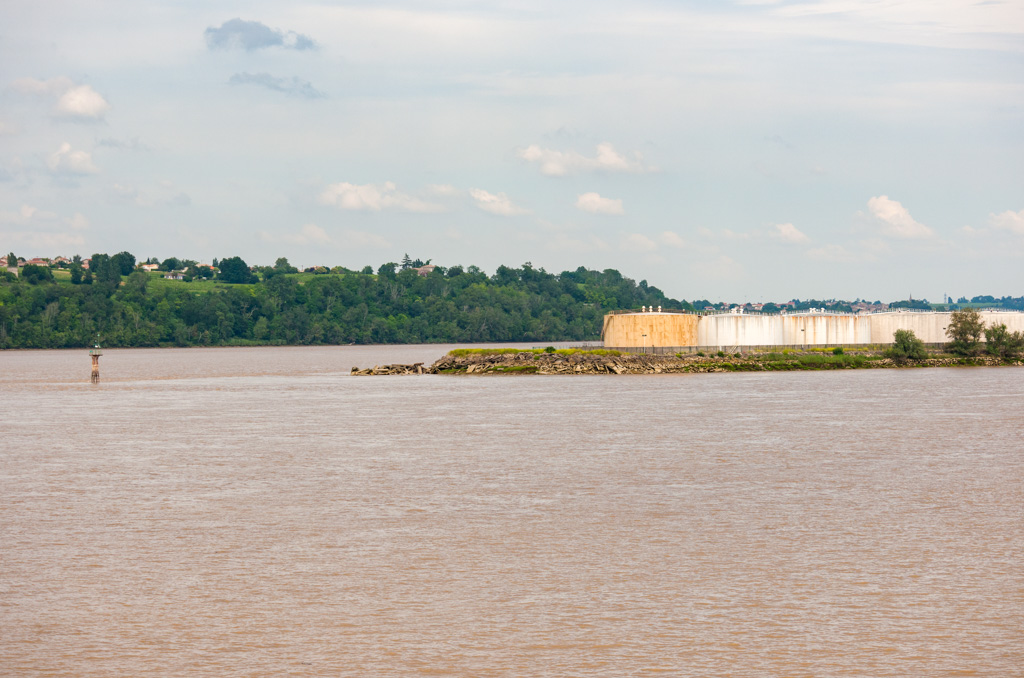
(700, 353)
(549, 349)
(906, 346)
(838, 350)
(721, 354)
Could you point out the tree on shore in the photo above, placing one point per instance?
(965, 330)
(999, 341)
(906, 346)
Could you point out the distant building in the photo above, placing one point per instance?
(149, 267)
(425, 270)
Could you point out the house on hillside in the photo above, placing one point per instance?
(424, 271)
(149, 268)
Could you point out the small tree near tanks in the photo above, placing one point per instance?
(965, 329)
(906, 346)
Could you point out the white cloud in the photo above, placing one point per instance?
(789, 233)
(67, 161)
(82, 102)
(638, 242)
(672, 239)
(374, 197)
(308, 234)
(73, 101)
(365, 239)
(559, 163)
(52, 87)
(77, 222)
(443, 190)
(895, 220)
(499, 203)
(1009, 221)
(595, 204)
(831, 253)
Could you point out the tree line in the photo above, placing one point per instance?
(123, 306)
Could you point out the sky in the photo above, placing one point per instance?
(755, 150)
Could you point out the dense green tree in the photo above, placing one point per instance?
(123, 262)
(170, 264)
(35, 275)
(964, 330)
(235, 270)
(282, 266)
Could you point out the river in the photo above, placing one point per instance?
(259, 512)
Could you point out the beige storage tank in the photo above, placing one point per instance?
(656, 328)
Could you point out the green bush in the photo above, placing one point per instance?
(906, 346)
(999, 341)
(721, 354)
(838, 350)
(549, 349)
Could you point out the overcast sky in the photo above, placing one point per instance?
(754, 150)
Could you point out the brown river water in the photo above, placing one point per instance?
(258, 512)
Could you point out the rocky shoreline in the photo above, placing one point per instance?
(627, 363)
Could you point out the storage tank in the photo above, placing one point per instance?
(652, 328)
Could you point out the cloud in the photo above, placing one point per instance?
(895, 220)
(73, 101)
(41, 230)
(595, 204)
(671, 239)
(252, 35)
(308, 234)
(495, 203)
(443, 190)
(560, 163)
(832, 253)
(77, 222)
(374, 198)
(1009, 221)
(132, 144)
(365, 239)
(161, 196)
(725, 233)
(293, 86)
(66, 161)
(637, 242)
(789, 233)
(82, 102)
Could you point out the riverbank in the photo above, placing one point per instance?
(569, 361)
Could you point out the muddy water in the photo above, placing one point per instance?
(238, 512)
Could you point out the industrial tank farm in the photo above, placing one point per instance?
(655, 329)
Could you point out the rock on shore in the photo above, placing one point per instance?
(628, 363)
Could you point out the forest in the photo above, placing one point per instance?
(117, 304)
